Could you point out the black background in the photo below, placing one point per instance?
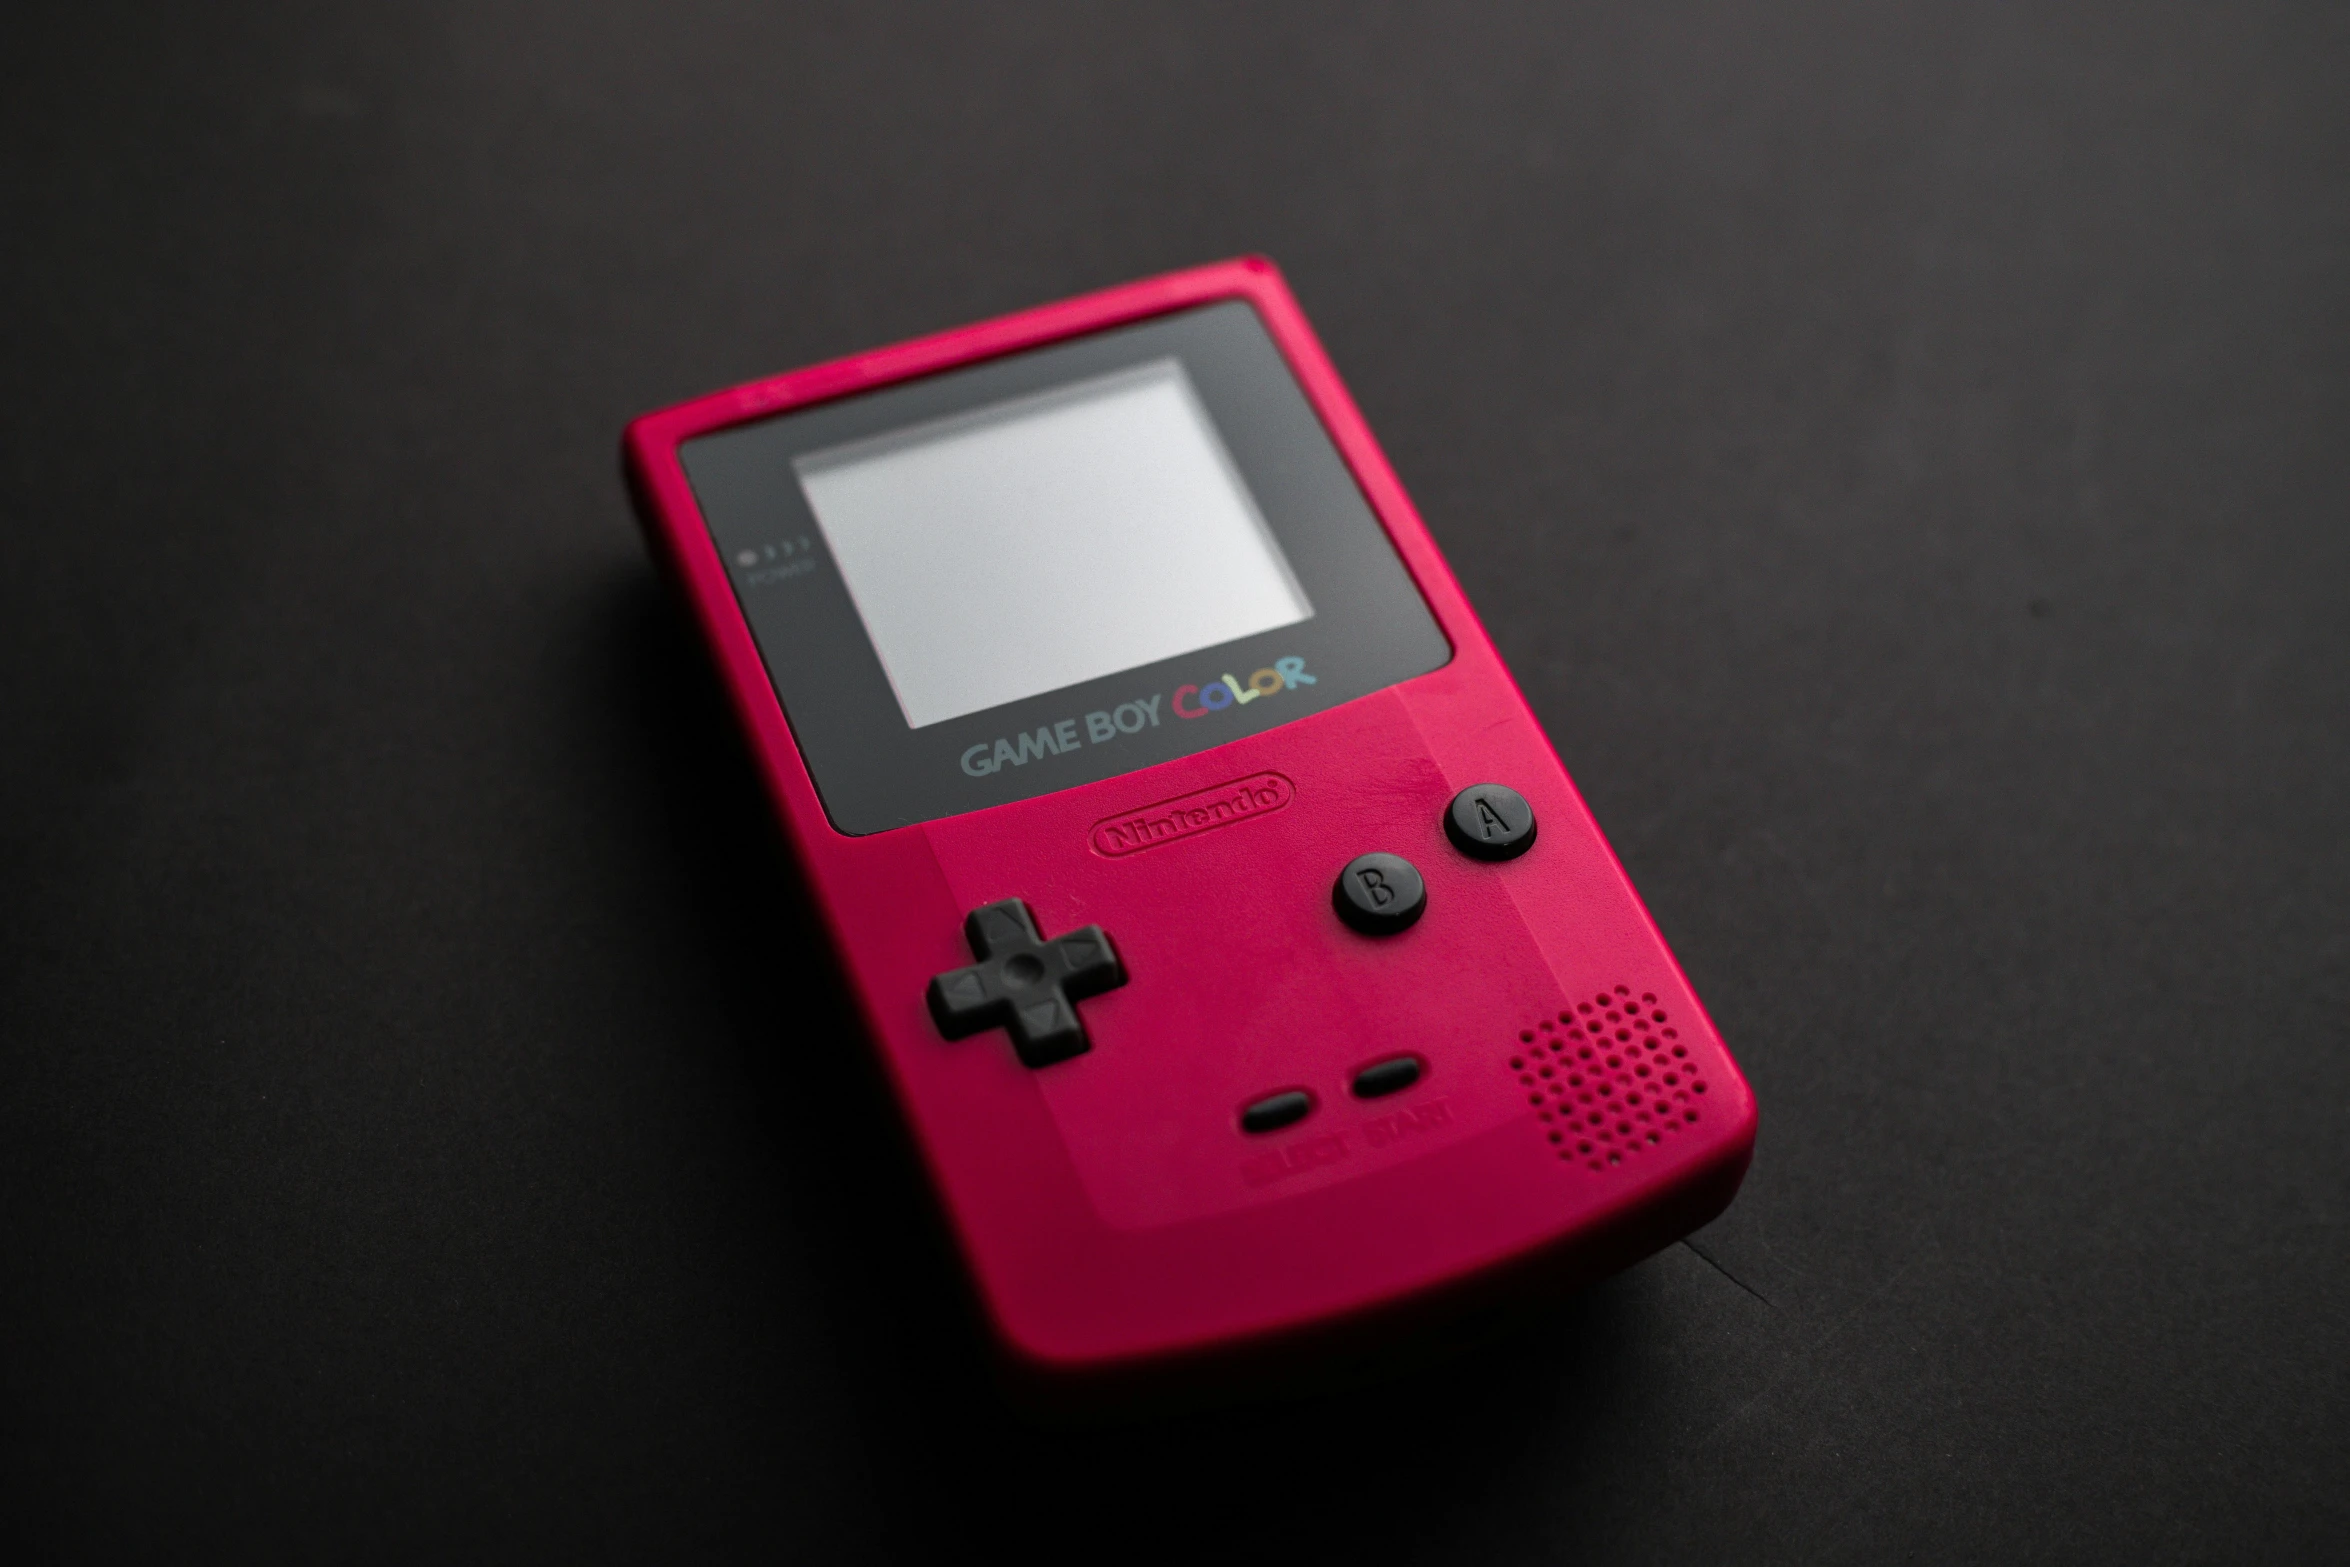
(1902, 451)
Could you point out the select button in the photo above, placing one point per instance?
(1276, 1111)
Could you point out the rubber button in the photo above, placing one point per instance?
(1276, 1111)
(1379, 894)
(1025, 983)
(1391, 1076)
(1490, 822)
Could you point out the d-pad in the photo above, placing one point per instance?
(1025, 983)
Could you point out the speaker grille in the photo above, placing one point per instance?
(1609, 1079)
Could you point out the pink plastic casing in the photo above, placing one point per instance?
(1577, 1109)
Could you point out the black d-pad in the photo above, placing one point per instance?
(1025, 983)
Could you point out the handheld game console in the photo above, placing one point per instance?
(1240, 954)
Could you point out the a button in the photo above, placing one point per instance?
(1490, 822)
(1391, 1076)
(1379, 894)
(1276, 1111)
(1025, 984)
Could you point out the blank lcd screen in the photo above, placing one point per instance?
(1048, 540)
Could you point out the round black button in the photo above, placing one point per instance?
(1379, 894)
(1490, 822)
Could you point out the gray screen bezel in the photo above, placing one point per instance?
(1370, 627)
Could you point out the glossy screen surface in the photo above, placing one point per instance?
(1048, 539)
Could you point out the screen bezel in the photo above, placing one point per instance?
(1370, 627)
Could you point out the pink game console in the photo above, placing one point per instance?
(1241, 955)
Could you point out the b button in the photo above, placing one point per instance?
(1379, 894)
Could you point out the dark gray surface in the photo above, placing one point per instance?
(1368, 630)
(1902, 452)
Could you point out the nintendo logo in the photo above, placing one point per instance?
(1259, 794)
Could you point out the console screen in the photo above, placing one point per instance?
(1047, 540)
